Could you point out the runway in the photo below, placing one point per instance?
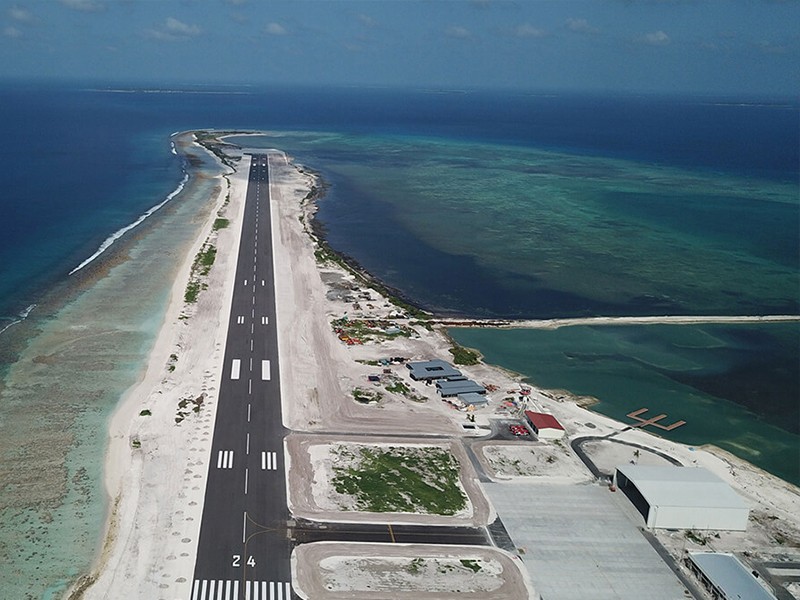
(243, 549)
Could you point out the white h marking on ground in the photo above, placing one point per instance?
(236, 366)
(265, 370)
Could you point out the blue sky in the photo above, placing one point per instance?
(735, 46)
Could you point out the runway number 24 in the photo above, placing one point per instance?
(237, 561)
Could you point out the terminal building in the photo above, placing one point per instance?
(682, 498)
(429, 370)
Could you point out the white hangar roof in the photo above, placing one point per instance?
(687, 487)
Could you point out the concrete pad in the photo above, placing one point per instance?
(579, 545)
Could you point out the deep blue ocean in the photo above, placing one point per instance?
(82, 161)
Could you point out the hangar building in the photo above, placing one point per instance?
(682, 498)
(544, 425)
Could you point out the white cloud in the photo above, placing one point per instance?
(174, 30)
(12, 32)
(581, 26)
(181, 28)
(458, 32)
(655, 38)
(275, 29)
(20, 14)
(84, 5)
(526, 30)
(366, 20)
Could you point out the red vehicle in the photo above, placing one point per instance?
(518, 430)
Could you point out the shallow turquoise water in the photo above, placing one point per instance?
(487, 229)
(736, 386)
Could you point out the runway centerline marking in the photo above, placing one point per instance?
(246, 471)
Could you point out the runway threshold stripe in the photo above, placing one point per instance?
(236, 366)
(265, 375)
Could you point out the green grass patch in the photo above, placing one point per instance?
(366, 396)
(472, 565)
(220, 223)
(400, 479)
(464, 356)
(205, 259)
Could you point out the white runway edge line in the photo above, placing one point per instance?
(225, 459)
(265, 375)
(236, 367)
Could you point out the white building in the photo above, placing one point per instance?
(682, 498)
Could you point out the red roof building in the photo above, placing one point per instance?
(544, 425)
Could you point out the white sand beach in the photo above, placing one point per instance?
(156, 464)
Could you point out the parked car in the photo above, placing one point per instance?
(519, 430)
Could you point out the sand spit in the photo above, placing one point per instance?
(653, 320)
(156, 467)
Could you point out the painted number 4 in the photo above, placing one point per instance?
(237, 561)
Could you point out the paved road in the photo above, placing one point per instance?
(244, 547)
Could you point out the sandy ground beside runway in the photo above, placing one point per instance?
(355, 571)
(311, 496)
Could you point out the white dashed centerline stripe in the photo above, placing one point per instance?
(236, 365)
(265, 375)
(250, 386)
(246, 471)
(248, 413)
(247, 445)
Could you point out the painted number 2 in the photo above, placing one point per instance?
(237, 561)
